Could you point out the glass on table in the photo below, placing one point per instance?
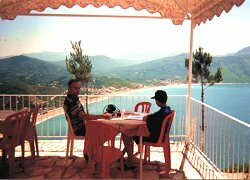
(123, 112)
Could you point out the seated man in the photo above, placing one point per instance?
(153, 121)
(76, 111)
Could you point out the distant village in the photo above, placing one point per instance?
(116, 90)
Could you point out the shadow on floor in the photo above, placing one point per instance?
(57, 167)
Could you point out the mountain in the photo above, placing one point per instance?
(164, 68)
(245, 51)
(108, 71)
(48, 56)
(235, 68)
(25, 75)
(101, 64)
(59, 58)
(30, 70)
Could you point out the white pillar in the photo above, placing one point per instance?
(189, 83)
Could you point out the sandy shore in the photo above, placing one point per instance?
(148, 88)
(161, 87)
(52, 113)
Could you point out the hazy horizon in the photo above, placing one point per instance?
(67, 54)
(120, 38)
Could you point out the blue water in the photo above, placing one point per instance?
(232, 99)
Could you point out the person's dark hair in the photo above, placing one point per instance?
(71, 81)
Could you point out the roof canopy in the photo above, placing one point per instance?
(176, 10)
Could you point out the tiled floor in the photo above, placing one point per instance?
(52, 164)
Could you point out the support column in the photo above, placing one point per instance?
(189, 84)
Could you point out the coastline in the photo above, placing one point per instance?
(130, 90)
(147, 88)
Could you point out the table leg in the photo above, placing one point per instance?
(140, 157)
(5, 166)
(4, 157)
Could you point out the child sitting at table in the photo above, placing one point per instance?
(154, 122)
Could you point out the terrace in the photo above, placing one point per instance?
(222, 148)
(196, 154)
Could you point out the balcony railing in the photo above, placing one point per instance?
(224, 140)
(220, 139)
(51, 121)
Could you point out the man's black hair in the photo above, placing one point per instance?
(71, 81)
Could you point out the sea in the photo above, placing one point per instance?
(232, 99)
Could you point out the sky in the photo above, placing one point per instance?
(138, 39)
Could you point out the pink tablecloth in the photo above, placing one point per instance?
(129, 127)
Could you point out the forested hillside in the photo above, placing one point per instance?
(26, 74)
(30, 71)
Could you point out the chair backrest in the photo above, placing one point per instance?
(14, 127)
(165, 127)
(32, 115)
(145, 107)
(70, 128)
(71, 133)
(97, 134)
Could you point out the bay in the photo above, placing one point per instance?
(232, 99)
